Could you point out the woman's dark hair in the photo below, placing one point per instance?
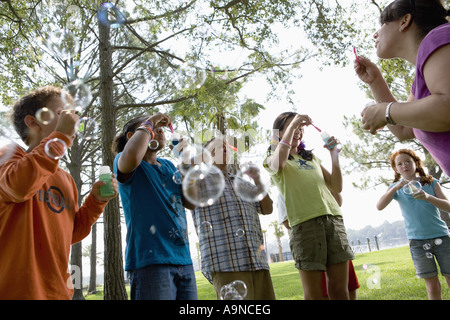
(279, 125)
(426, 14)
(121, 139)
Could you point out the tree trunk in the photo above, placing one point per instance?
(76, 258)
(280, 248)
(113, 262)
(93, 276)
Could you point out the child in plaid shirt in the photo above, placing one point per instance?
(230, 235)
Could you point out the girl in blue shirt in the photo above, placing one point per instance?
(157, 254)
(427, 232)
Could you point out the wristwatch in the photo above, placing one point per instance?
(388, 116)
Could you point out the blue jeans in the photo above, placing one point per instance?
(425, 253)
(163, 282)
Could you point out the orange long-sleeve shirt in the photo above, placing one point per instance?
(39, 220)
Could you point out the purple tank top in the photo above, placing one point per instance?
(437, 143)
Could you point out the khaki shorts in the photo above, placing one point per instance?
(320, 242)
(259, 283)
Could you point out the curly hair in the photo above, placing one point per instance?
(29, 105)
(424, 178)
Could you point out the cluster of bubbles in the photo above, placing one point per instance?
(197, 172)
(236, 290)
(76, 96)
(427, 247)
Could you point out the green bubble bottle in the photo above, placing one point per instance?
(105, 175)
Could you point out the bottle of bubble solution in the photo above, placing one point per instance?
(326, 136)
(105, 175)
(175, 140)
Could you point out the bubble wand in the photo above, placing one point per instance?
(356, 55)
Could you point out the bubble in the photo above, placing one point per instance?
(86, 128)
(190, 76)
(45, 115)
(205, 228)
(426, 246)
(412, 187)
(109, 15)
(55, 148)
(62, 44)
(177, 177)
(250, 183)
(438, 241)
(153, 144)
(429, 255)
(203, 184)
(76, 95)
(236, 290)
(240, 233)
(152, 229)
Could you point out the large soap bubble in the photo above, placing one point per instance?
(191, 76)
(412, 187)
(76, 95)
(250, 183)
(236, 290)
(203, 184)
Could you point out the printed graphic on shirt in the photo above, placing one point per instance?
(54, 198)
(304, 165)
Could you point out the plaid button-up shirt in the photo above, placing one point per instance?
(230, 235)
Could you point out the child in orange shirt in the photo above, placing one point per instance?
(39, 213)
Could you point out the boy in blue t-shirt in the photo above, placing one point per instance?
(157, 253)
(427, 232)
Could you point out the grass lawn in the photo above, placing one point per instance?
(383, 275)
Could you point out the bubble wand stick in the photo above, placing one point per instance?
(356, 55)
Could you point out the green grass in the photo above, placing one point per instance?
(383, 275)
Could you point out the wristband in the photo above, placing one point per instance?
(147, 123)
(149, 131)
(285, 143)
(388, 116)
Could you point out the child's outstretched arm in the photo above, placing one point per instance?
(387, 197)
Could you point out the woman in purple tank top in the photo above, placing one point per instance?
(418, 32)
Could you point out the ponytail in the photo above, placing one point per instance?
(121, 139)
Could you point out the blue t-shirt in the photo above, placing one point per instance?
(422, 219)
(154, 215)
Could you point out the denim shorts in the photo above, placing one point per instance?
(163, 282)
(425, 253)
(320, 242)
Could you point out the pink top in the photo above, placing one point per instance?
(437, 143)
